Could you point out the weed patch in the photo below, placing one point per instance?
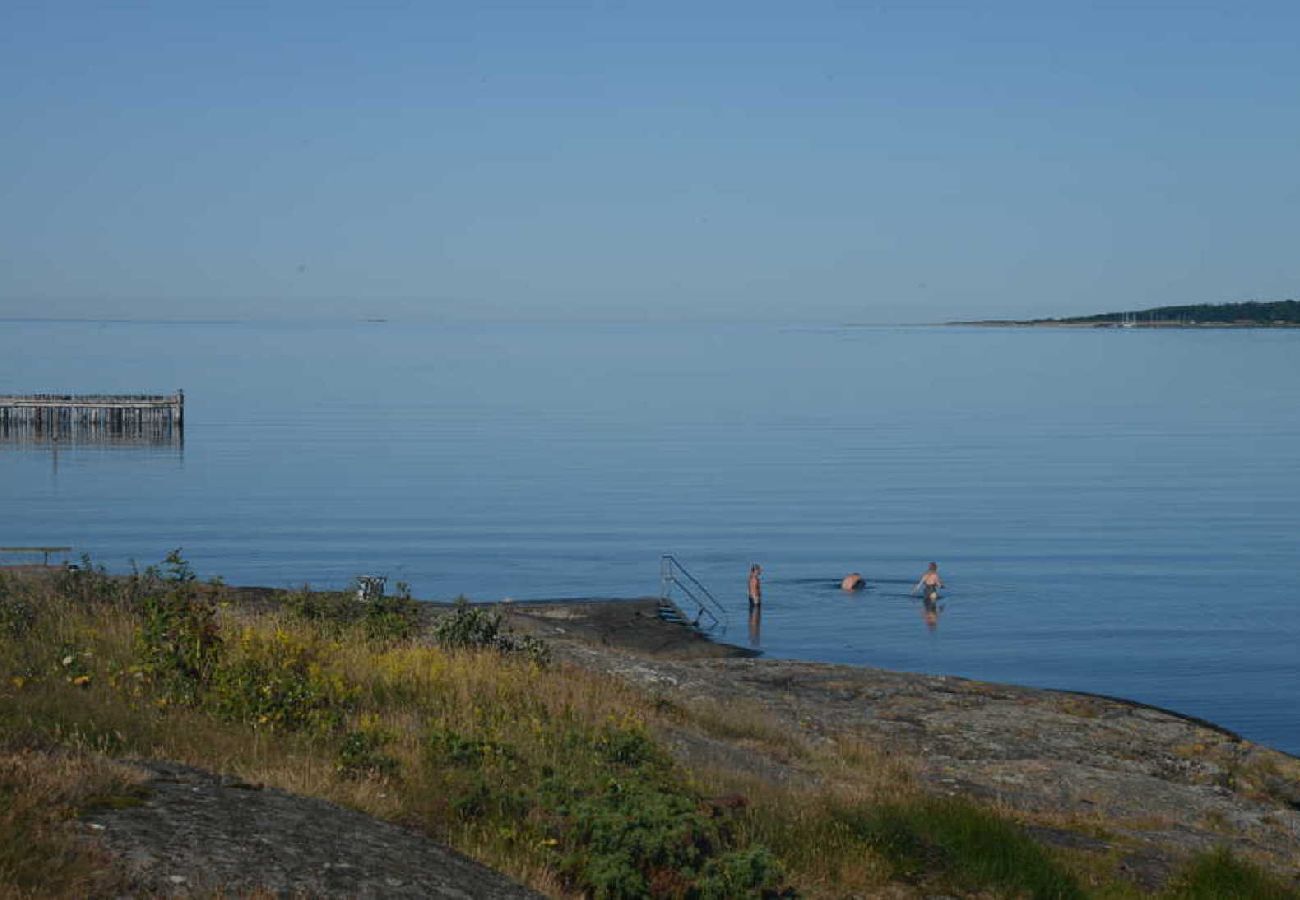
(1219, 874)
(972, 847)
(17, 613)
(383, 619)
(280, 681)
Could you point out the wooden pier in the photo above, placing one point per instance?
(52, 415)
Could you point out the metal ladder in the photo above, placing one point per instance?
(673, 575)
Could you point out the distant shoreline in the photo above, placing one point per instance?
(1243, 314)
(1187, 326)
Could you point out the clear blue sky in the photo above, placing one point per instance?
(658, 160)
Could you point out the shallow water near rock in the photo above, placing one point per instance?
(1114, 510)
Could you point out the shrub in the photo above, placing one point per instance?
(329, 611)
(277, 681)
(740, 873)
(470, 627)
(179, 643)
(631, 828)
(605, 807)
(392, 618)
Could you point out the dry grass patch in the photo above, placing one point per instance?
(44, 851)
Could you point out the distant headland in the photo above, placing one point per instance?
(1248, 314)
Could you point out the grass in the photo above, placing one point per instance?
(970, 847)
(1219, 875)
(553, 774)
(40, 795)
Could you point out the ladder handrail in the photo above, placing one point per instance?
(669, 567)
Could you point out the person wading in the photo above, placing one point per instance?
(930, 582)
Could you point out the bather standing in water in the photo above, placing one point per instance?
(755, 585)
(930, 582)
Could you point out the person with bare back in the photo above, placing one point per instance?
(930, 583)
(755, 585)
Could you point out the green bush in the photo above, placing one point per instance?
(631, 828)
(608, 805)
(621, 835)
(330, 611)
(179, 643)
(392, 618)
(740, 873)
(474, 628)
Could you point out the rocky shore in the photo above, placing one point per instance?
(1140, 787)
(1100, 774)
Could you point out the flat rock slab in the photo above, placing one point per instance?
(629, 624)
(199, 834)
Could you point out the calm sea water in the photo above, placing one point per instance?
(1114, 511)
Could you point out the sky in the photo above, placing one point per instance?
(657, 161)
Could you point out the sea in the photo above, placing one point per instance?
(1113, 510)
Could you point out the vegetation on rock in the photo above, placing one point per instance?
(562, 777)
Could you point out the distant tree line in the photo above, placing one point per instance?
(1255, 312)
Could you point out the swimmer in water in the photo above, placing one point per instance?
(755, 585)
(930, 582)
(853, 582)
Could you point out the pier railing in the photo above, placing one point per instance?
(674, 576)
(44, 415)
(44, 551)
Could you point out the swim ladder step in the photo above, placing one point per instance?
(670, 613)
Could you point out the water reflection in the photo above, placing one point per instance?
(26, 435)
(930, 610)
(755, 625)
(147, 440)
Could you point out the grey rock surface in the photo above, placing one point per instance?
(199, 834)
